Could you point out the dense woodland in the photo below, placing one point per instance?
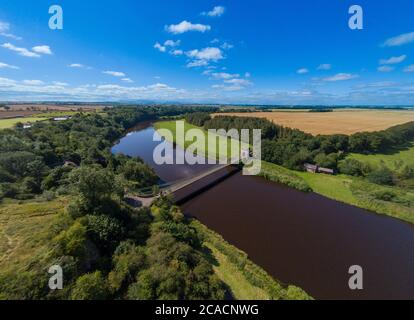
(293, 148)
(108, 250)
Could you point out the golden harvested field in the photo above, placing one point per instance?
(346, 121)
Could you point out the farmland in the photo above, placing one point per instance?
(393, 160)
(343, 121)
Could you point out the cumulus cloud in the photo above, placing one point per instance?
(128, 80)
(42, 49)
(239, 82)
(60, 84)
(7, 66)
(385, 69)
(217, 11)
(204, 56)
(325, 66)
(227, 46)
(302, 71)
(160, 47)
(341, 77)
(177, 52)
(33, 82)
(21, 51)
(409, 68)
(399, 40)
(210, 53)
(224, 75)
(76, 65)
(172, 43)
(115, 73)
(186, 26)
(393, 60)
(4, 31)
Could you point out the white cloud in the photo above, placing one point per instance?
(128, 80)
(302, 71)
(186, 26)
(172, 43)
(197, 63)
(409, 68)
(399, 40)
(21, 51)
(239, 82)
(76, 65)
(177, 52)
(4, 31)
(7, 66)
(224, 75)
(341, 77)
(42, 49)
(385, 69)
(115, 73)
(227, 88)
(227, 46)
(33, 82)
(393, 60)
(217, 11)
(210, 53)
(60, 84)
(325, 66)
(247, 75)
(160, 47)
(204, 56)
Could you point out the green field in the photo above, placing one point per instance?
(10, 123)
(392, 160)
(224, 149)
(25, 232)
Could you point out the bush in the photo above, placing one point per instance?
(105, 231)
(128, 260)
(92, 286)
(353, 167)
(382, 176)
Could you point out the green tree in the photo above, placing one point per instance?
(92, 286)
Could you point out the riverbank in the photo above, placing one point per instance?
(342, 188)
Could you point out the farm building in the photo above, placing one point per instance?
(312, 168)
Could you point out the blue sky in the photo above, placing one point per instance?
(251, 52)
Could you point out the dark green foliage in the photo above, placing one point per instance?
(176, 272)
(91, 286)
(105, 231)
(353, 167)
(382, 176)
(198, 118)
(292, 148)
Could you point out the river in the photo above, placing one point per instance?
(299, 238)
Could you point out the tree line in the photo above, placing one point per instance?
(107, 249)
(293, 148)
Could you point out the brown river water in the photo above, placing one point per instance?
(299, 238)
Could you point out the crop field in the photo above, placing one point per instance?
(345, 121)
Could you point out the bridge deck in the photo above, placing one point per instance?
(176, 187)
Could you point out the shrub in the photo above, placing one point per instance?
(383, 176)
(92, 286)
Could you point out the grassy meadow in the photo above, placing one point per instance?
(224, 149)
(392, 160)
(10, 123)
(25, 228)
